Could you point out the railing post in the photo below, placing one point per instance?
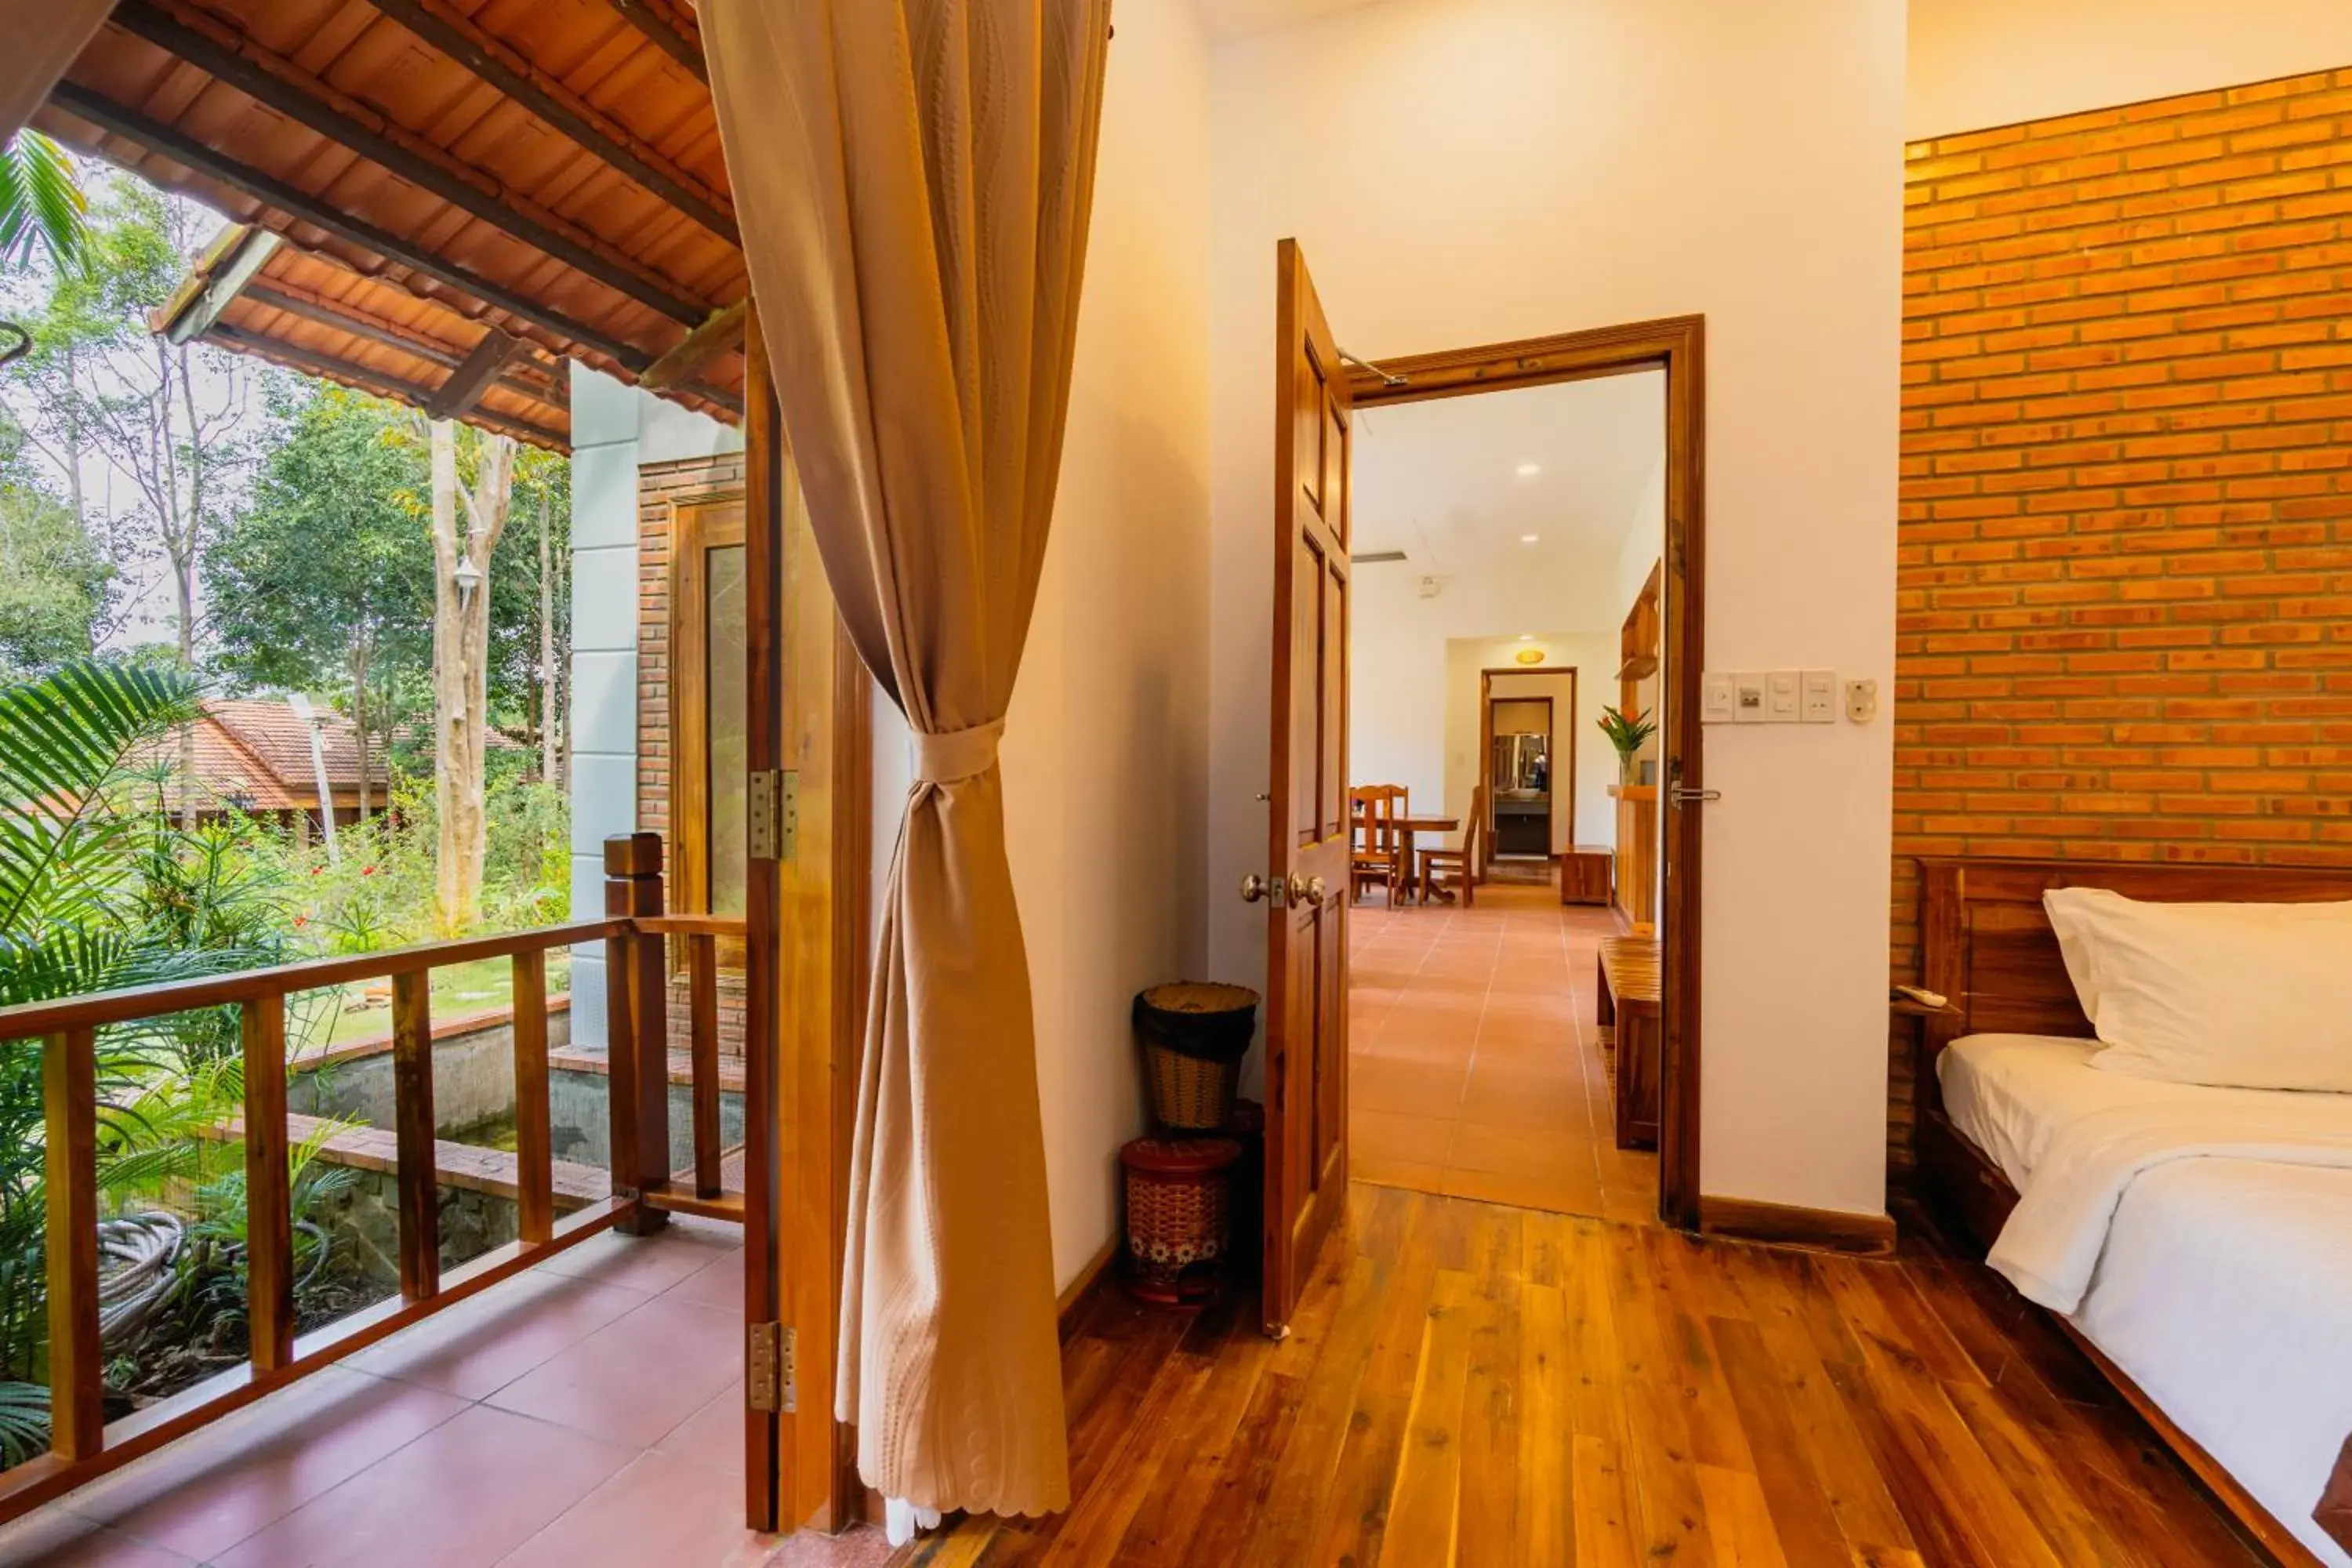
(534, 1137)
(268, 1203)
(638, 1049)
(70, 1114)
(419, 1176)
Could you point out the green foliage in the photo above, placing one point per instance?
(324, 581)
(58, 583)
(42, 207)
(97, 891)
(1628, 734)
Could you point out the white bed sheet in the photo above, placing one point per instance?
(2225, 1287)
(2009, 1094)
(2225, 1292)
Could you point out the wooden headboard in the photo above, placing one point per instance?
(1988, 945)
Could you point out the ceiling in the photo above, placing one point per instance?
(1440, 480)
(1236, 18)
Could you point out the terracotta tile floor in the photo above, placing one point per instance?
(588, 1413)
(1476, 1071)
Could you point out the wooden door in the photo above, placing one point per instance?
(1307, 799)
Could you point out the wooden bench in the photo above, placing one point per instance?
(1629, 1004)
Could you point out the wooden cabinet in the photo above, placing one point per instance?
(1586, 873)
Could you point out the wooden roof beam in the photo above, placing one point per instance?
(166, 142)
(453, 33)
(722, 332)
(473, 375)
(657, 23)
(272, 80)
(555, 391)
(380, 383)
(220, 275)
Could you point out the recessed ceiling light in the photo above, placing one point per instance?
(1529, 538)
(1529, 470)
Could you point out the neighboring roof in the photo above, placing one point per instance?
(258, 752)
(491, 184)
(270, 731)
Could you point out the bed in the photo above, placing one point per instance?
(2220, 1300)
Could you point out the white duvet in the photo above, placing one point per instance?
(2050, 1248)
(2204, 1244)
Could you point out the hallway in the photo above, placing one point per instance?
(1476, 1068)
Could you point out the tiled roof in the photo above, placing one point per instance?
(272, 732)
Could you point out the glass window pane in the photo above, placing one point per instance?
(727, 670)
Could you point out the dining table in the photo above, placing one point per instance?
(1408, 826)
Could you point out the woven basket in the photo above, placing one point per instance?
(1179, 1214)
(1194, 1035)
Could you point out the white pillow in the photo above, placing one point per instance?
(2244, 996)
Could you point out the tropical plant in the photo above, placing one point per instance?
(1628, 734)
(41, 208)
(41, 204)
(98, 891)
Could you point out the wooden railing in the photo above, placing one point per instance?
(636, 932)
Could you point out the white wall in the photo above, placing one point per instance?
(1397, 670)
(615, 429)
(1559, 165)
(1106, 749)
(1981, 63)
(1593, 657)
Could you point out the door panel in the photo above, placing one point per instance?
(1308, 838)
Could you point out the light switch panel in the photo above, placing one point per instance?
(1719, 705)
(1749, 695)
(1862, 701)
(1780, 696)
(1820, 699)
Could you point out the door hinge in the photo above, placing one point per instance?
(773, 814)
(769, 1382)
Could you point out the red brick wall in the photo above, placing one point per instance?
(660, 486)
(2126, 535)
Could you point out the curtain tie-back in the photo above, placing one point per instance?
(957, 755)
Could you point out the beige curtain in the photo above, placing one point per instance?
(913, 179)
(44, 36)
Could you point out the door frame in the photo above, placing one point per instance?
(1675, 344)
(809, 936)
(1486, 741)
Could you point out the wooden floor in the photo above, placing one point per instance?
(1477, 1384)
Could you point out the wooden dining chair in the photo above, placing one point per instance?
(1454, 873)
(1374, 857)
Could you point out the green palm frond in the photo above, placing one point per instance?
(63, 737)
(24, 1422)
(41, 204)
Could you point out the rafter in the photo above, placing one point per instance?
(167, 141)
(272, 80)
(657, 23)
(368, 379)
(277, 296)
(457, 35)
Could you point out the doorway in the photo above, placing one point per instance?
(1330, 408)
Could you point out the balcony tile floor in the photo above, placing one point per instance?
(1474, 1061)
(586, 1412)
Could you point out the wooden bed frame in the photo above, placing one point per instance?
(1987, 947)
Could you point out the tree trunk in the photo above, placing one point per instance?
(184, 586)
(461, 634)
(360, 718)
